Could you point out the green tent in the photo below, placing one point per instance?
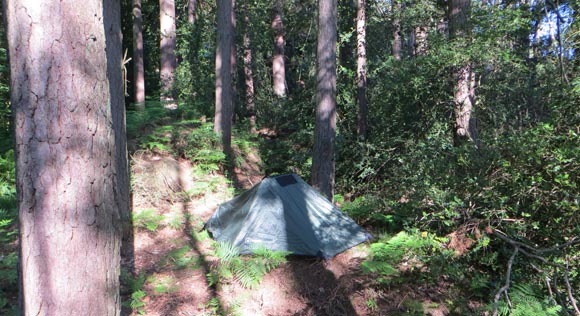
(284, 213)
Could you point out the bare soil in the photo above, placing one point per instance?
(302, 286)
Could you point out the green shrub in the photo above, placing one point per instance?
(412, 250)
(527, 301)
(8, 234)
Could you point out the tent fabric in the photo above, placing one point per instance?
(284, 213)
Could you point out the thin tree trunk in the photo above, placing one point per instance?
(278, 64)
(223, 72)
(463, 75)
(323, 161)
(233, 59)
(138, 65)
(72, 181)
(463, 97)
(167, 45)
(361, 73)
(248, 72)
(191, 7)
(397, 38)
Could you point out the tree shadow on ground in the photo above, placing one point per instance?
(157, 260)
(322, 292)
(317, 285)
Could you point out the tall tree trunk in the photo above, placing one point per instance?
(248, 72)
(233, 59)
(223, 73)
(72, 180)
(278, 65)
(361, 73)
(397, 38)
(463, 75)
(167, 46)
(465, 125)
(191, 8)
(323, 162)
(138, 66)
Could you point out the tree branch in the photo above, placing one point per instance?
(569, 291)
(535, 253)
(506, 286)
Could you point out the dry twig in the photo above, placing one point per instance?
(535, 253)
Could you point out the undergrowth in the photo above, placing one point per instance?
(248, 271)
(8, 236)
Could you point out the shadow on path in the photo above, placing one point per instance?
(195, 243)
(317, 285)
(320, 289)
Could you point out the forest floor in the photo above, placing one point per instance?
(173, 256)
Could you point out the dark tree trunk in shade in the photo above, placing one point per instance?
(223, 73)
(191, 8)
(248, 72)
(323, 161)
(138, 65)
(72, 178)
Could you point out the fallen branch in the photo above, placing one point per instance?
(569, 291)
(535, 253)
(504, 289)
(501, 235)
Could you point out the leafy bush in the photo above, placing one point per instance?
(413, 251)
(202, 146)
(8, 233)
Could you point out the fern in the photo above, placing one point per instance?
(213, 306)
(226, 251)
(526, 301)
(270, 259)
(379, 267)
(137, 302)
(247, 271)
(401, 245)
(212, 279)
(182, 258)
(249, 274)
(147, 218)
(386, 256)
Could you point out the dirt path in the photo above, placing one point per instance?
(174, 258)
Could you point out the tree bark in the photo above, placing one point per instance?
(323, 161)
(278, 64)
(463, 76)
(72, 180)
(248, 72)
(167, 46)
(223, 73)
(397, 38)
(465, 127)
(138, 65)
(361, 73)
(233, 59)
(191, 8)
